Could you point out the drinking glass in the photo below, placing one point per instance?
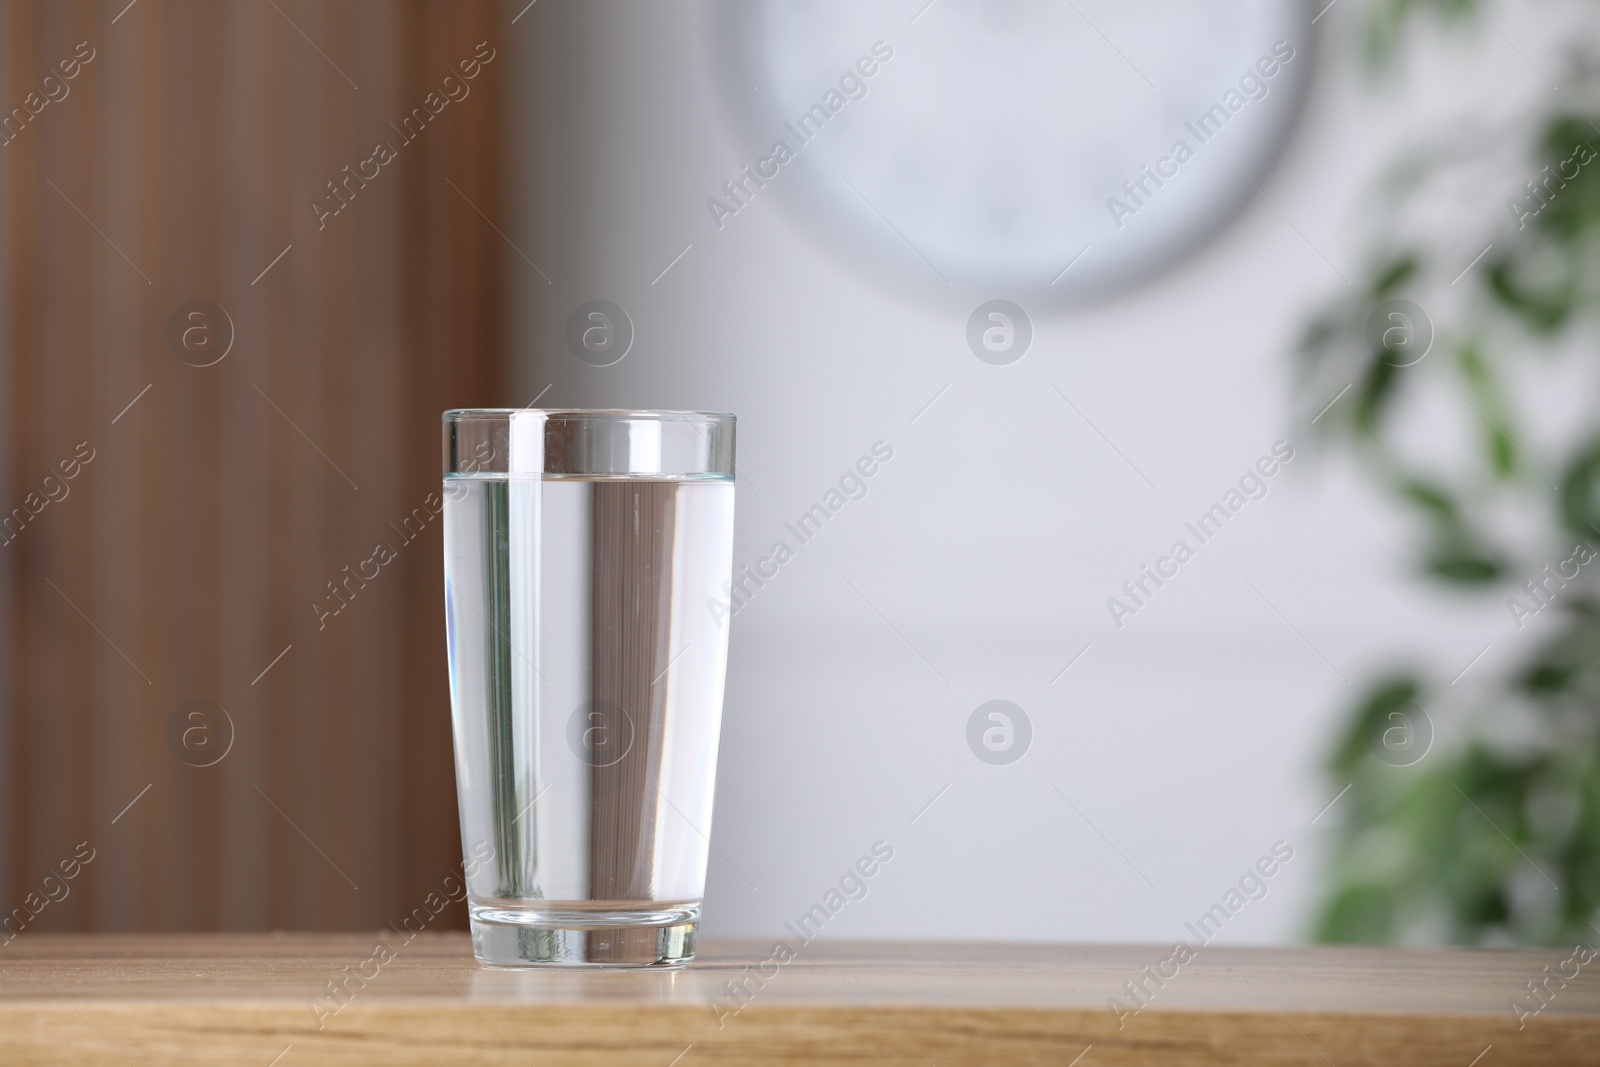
(586, 553)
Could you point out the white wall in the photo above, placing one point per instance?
(1189, 741)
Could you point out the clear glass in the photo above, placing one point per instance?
(585, 555)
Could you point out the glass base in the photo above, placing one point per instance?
(607, 934)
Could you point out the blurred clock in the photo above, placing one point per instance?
(1041, 151)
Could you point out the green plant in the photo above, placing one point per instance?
(1493, 835)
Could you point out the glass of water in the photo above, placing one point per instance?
(585, 556)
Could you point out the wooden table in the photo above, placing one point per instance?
(245, 999)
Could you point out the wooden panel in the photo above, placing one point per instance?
(223, 502)
(246, 999)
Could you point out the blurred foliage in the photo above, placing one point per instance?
(1473, 809)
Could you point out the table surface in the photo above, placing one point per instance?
(247, 998)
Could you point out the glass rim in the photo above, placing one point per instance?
(598, 414)
(588, 442)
